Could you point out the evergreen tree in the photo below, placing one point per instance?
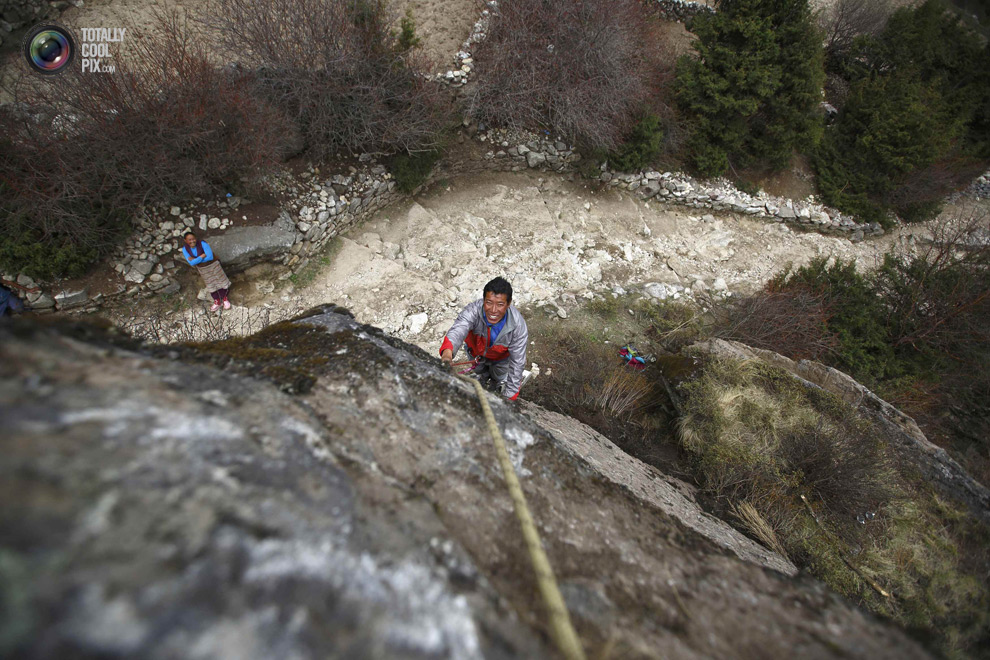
(917, 121)
(891, 126)
(752, 91)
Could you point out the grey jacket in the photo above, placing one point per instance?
(510, 345)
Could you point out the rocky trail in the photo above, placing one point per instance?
(411, 267)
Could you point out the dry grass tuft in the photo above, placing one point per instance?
(752, 520)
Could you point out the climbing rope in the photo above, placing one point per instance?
(560, 621)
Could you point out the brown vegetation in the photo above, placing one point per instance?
(584, 71)
(83, 151)
(339, 70)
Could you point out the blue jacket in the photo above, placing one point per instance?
(8, 299)
(205, 257)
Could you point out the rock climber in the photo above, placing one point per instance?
(495, 335)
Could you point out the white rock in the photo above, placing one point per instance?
(416, 322)
(175, 210)
(213, 223)
(133, 275)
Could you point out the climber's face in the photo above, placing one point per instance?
(496, 305)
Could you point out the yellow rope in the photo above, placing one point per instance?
(560, 621)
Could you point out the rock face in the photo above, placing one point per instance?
(158, 506)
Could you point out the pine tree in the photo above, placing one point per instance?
(891, 126)
(752, 92)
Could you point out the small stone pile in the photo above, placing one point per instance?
(463, 61)
(528, 150)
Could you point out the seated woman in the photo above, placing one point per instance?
(199, 254)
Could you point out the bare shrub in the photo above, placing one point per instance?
(339, 70)
(168, 124)
(839, 463)
(844, 20)
(582, 70)
(939, 301)
(792, 322)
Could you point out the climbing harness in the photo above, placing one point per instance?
(560, 621)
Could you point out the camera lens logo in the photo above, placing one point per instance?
(49, 48)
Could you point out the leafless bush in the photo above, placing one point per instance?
(583, 70)
(337, 68)
(791, 322)
(166, 124)
(844, 20)
(839, 463)
(939, 300)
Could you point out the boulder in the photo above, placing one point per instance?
(416, 322)
(240, 247)
(44, 301)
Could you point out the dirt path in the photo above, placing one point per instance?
(412, 267)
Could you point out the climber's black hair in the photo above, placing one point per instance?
(497, 286)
